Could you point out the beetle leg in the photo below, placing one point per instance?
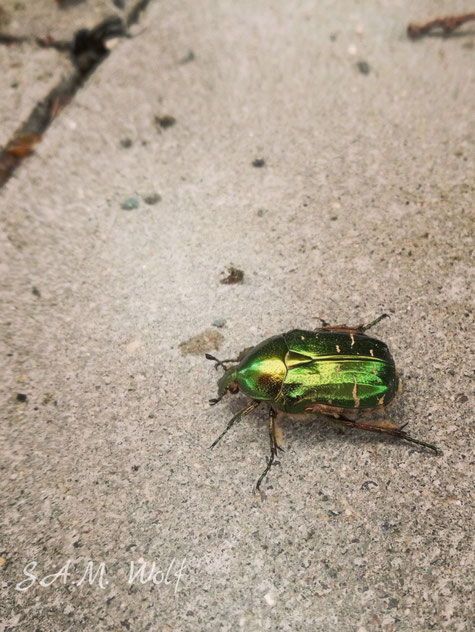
(236, 417)
(387, 427)
(357, 329)
(274, 446)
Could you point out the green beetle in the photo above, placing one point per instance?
(335, 370)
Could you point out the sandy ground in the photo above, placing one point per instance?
(115, 237)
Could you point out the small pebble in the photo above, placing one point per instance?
(219, 322)
(129, 204)
(21, 397)
(189, 57)
(234, 276)
(270, 599)
(126, 143)
(258, 162)
(165, 121)
(153, 198)
(363, 67)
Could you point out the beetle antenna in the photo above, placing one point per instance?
(208, 356)
(374, 322)
(215, 400)
(236, 417)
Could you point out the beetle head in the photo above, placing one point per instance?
(227, 383)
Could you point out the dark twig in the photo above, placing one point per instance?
(447, 25)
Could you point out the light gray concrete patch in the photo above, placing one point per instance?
(27, 75)
(29, 71)
(364, 205)
(41, 18)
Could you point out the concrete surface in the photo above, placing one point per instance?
(57, 18)
(364, 205)
(28, 71)
(28, 75)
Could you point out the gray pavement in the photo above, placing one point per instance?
(364, 205)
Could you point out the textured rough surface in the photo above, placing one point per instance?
(57, 18)
(27, 75)
(28, 72)
(364, 204)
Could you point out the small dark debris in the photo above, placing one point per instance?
(333, 218)
(261, 212)
(21, 397)
(153, 198)
(77, 544)
(259, 162)
(129, 204)
(47, 399)
(35, 291)
(363, 67)
(165, 121)
(89, 47)
(388, 526)
(135, 468)
(190, 56)
(234, 276)
(461, 398)
(369, 485)
(126, 143)
(219, 322)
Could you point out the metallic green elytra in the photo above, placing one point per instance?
(335, 370)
